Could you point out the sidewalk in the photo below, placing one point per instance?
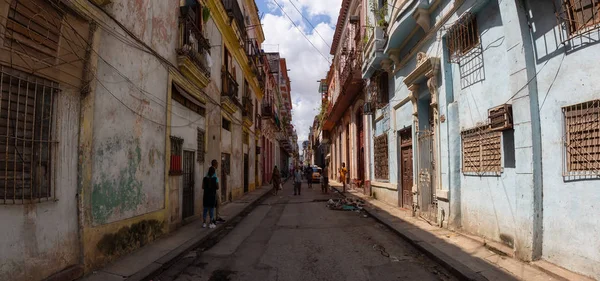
(162, 252)
(471, 258)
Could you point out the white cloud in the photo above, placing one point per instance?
(306, 65)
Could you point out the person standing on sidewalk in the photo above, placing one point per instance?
(210, 186)
(325, 179)
(343, 173)
(297, 181)
(276, 180)
(215, 164)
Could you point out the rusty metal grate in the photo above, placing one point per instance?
(381, 157)
(26, 144)
(582, 140)
(462, 37)
(481, 150)
(579, 17)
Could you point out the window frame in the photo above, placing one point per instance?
(486, 137)
(381, 173)
(594, 107)
(455, 37)
(46, 144)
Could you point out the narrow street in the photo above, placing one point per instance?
(298, 238)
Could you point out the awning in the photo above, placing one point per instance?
(189, 97)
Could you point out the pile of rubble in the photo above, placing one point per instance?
(346, 204)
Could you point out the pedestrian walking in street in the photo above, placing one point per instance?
(308, 172)
(209, 200)
(343, 173)
(298, 181)
(218, 219)
(325, 179)
(276, 180)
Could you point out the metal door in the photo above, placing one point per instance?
(188, 184)
(426, 176)
(246, 171)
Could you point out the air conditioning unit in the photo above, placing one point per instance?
(354, 19)
(500, 117)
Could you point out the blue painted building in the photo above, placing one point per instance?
(485, 115)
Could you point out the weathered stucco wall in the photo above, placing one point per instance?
(129, 136)
(41, 239)
(567, 76)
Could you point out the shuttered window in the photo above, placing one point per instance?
(33, 27)
(381, 158)
(582, 14)
(26, 144)
(482, 151)
(582, 138)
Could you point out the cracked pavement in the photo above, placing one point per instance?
(290, 237)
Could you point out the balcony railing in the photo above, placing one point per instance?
(235, 12)
(229, 87)
(267, 110)
(192, 43)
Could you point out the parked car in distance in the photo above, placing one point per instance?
(316, 174)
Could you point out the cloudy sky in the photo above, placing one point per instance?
(304, 61)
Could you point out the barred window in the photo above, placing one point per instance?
(481, 150)
(201, 144)
(582, 139)
(176, 153)
(381, 158)
(26, 144)
(462, 37)
(33, 27)
(581, 14)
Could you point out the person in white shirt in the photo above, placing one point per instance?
(297, 181)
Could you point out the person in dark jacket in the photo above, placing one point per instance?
(210, 186)
(276, 179)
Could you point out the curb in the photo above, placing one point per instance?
(163, 263)
(461, 271)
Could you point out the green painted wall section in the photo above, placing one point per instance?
(123, 193)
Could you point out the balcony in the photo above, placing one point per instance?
(247, 110)
(267, 110)
(350, 87)
(235, 13)
(193, 49)
(229, 92)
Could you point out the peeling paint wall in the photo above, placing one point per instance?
(41, 239)
(128, 131)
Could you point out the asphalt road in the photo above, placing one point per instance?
(297, 238)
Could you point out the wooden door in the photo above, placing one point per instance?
(407, 176)
(406, 168)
